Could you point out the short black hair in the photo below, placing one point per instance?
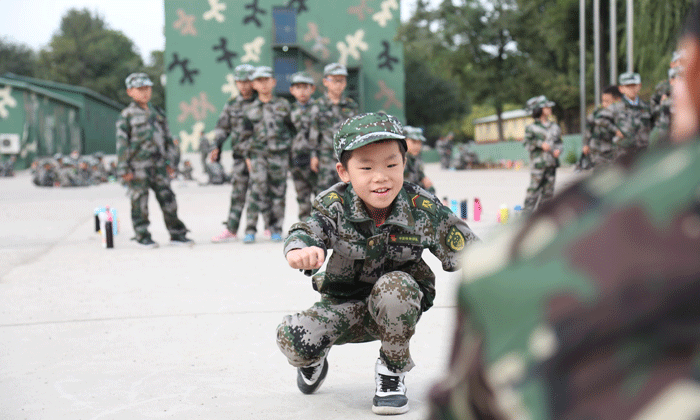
(613, 90)
(537, 113)
(347, 154)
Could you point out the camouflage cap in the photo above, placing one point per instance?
(58, 156)
(630, 79)
(136, 80)
(243, 72)
(414, 133)
(364, 129)
(262, 71)
(335, 69)
(674, 72)
(538, 102)
(99, 155)
(677, 55)
(302, 77)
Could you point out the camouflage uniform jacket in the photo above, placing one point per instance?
(634, 122)
(143, 140)
(536, 134)
(363, 252)
(328, 117)
(270, 124)
(231, 120)
(655, 103)
(302, 118)
(600, 130)
(589, 310)
(413, 171)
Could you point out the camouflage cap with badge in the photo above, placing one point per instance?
(137, 80)
(335, 69)
(301, 77)
(243, 72)
(538, 102)
(630, 78)
(414, 133)
(364, 129)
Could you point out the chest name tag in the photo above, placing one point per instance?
(405, 239)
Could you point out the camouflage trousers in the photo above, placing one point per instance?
(239, 179)
(268, 186)
(327, 174)
(158, 180)
(389, 314)
(305, 181)
(602, 159)
(445, 158)
(541, 187)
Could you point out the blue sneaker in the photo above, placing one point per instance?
(276, 237)
(249, 238)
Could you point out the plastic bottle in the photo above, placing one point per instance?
(477, 209)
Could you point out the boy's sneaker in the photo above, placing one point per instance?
(276, 237)
(310, 378)
(267, 233)
(181, 241)
(249, 238)
(225, 236)
(390, 396)
(146, 243)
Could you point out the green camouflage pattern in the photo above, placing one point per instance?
(414, 172)
(301, 77)
(303, 145)
(335, 69)
(363, 252)
(634, 122)
(262, 71)
(328, 119)
(444, 148)
(243, 72)
(389, 313)
(588, 310)
(137, 80)
(543, 165)
(660, 105)
(629, 78)
(145, 149)
(240, 178)
(273, 131)
(232, 120)
(600, 135)
(143, 141)
(365, 129)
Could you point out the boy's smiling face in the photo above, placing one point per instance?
(375, 172)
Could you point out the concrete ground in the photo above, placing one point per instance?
(185, 333)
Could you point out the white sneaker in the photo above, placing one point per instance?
(310, 378)
(390, 396)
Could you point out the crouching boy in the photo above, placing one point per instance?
(376, 285)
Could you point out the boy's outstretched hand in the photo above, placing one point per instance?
(309, 258)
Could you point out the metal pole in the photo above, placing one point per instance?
(582, 63)
(613, 42)
(596, 52)
(630, 35)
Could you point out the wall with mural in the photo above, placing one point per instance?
(207, 39)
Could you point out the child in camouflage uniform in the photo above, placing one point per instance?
(634, 117)
(231, 121)
(145, 156)
(414, 171)
(304, 166)
(331, 110)
(273, 130)
(376, 284)
(543, 141)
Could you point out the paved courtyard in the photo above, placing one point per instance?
(186, 333)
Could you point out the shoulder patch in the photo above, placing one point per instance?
(330, 198)
(454, 239)
(423, 203)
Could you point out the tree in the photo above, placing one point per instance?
(87, 53)
(155, 70)
(16, 58)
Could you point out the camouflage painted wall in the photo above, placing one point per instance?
(206, 39)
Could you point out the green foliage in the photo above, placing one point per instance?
(86, 53)
(16, 58)
(430, 99)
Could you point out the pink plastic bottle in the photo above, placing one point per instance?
(477, 209)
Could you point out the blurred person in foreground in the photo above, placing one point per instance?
(589, 310)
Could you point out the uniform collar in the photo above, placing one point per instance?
(400, 215)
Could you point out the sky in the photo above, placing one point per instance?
(34, 22)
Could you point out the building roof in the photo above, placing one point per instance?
(56, 96)
(49, 84)
(508, 115)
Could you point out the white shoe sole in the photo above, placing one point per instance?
(389, 411)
